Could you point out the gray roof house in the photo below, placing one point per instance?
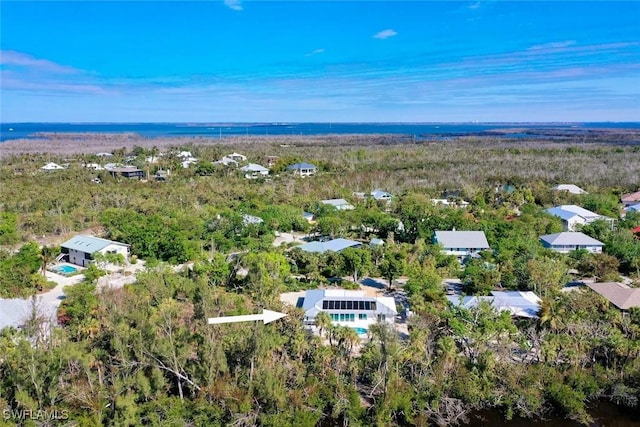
(568, 241)
(573, 217)
(303, 169)
(348, 308)
(339, 204)
(80, 249)
(461, 243)
(335, 245)
(254, 170)
(569, 188)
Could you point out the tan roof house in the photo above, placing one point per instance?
(618, 294)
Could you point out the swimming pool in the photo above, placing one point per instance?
(360, 331)
(65, 269)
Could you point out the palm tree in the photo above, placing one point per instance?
(47, 255)
(323, 320)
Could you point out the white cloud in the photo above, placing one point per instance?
(19, 59)
(553, 45)
(234, 4)
(385, 34)
(315, 52)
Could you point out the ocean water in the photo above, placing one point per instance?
(220, 130)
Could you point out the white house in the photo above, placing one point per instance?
(92, 166)
(378, 194)
(568, 241)
(450, 202)
(226, 161)
(80, 249)
(237, 157)
(51, 167)
(461, 243)
(251, 220)
(339, 204)
(253, 170)
(303, 169)
(348, 308)
(184, 154)
(518, 304)
(570, 188)
(574, 217)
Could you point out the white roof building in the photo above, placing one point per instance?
(573, 217)
(570, 188)
(348, 308)
(518, 304)
(254, 170)
(237, 157)
(52, 167)
(80, 249)
(339, 204)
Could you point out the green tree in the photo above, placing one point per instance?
(356, 262)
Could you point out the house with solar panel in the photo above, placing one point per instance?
(80, 249)
(350, 308)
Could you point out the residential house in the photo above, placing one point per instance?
(226, 161)
(311, 218)
(104, 155)
(251, 220)
(569, 188)
(574, 217)
(461, 243)
(49, 167)
(335, 245)
(92, 166)
(348, 308)
(630, 198)
(633, 208)
(376, 242)
(237, 157)
(253, 171)
(303, 169)
(517, 303)
(568, 241)
(129, 172)
(80, 249)
(380, 195)
(618, 294)
(339, 204)
(458, 203)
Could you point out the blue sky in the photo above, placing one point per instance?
(319, 61)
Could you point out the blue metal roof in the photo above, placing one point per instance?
(88, 244)
(298, 166)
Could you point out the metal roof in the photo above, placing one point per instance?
(570, 238)
(576, 210)
(254, 167)
(520, 304)
(462, 239)
(380, 194)
(298, 166)
(335, 202)
(314, 297)
(335, 245)
(571, 188)
(88, 244)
